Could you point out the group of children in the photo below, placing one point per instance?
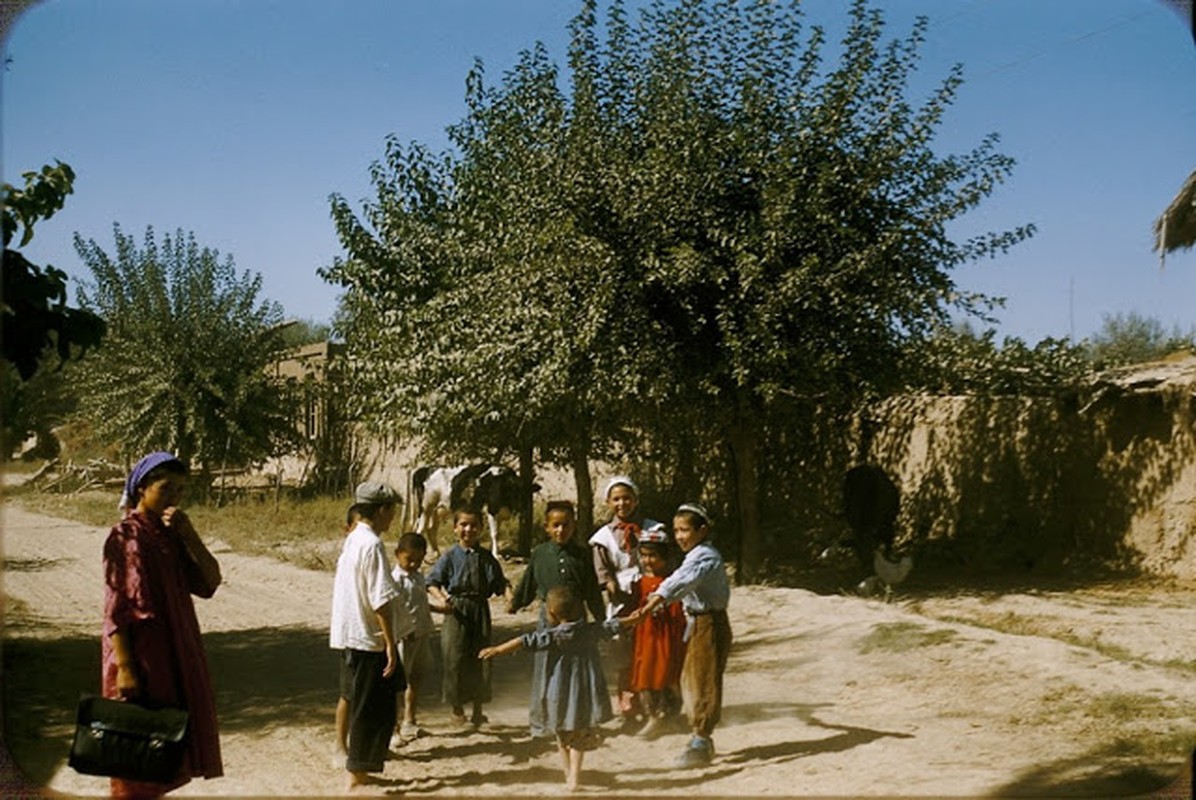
(664, 612)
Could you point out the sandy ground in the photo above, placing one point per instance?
(1088, 693)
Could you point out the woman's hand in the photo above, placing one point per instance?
(127, 685)
(177, 520)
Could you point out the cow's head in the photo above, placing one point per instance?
(502, 489)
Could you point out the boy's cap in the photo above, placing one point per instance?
(375, 493)
(654, 535)
(694, 508)
(621, 480)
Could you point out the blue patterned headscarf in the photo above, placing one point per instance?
(140, 470)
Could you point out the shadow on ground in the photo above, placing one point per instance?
(1076, 777)
(283, 676)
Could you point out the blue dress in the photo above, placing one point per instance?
(575, 698)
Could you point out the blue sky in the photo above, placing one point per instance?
(236, 120)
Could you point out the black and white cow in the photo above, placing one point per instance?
(493, 489)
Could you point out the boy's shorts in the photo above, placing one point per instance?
(415, 652)
(345, 676)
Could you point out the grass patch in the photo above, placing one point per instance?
(1017, 625)
(305, 532)
(1161, 747)
(899, 637)
(1187, 665)
(1126, 707)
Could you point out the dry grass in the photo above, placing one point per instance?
(305, 532)
(1020, 625)
(899, 637)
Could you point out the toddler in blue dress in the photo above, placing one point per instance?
(575, 699)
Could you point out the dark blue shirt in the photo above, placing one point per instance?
(451, 573)
(552, 564)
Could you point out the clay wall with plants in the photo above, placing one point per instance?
(1105, 479)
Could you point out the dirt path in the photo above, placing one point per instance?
(1089, 693)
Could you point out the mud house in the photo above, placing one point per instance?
(1104, 475)
(304, 370)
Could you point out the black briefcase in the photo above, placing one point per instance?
(125, 740)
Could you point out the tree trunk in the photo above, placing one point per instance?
(585, 491)
(744, 448)
(527, 475)
(685, 483)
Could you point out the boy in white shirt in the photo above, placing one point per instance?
(370, 672)
(413, 629)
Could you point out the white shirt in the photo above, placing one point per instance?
(412, 612)
(623, 564)
(362, 587)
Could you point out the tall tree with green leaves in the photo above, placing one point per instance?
(476, 315)
(712, 225)
(183, 367)
(787, 223)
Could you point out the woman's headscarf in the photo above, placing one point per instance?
(142, 468)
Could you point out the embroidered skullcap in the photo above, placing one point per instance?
(694, 508)
(142, 468)
(621, 480)
(654, 535)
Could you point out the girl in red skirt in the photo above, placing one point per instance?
(659, 649)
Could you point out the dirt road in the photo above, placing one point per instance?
(1088, 693)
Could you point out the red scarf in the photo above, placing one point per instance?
(631, 535)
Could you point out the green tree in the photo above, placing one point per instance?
(474, 309)
(958, 360)
(36, 317)
(1132, 338)
(787, 227)
(708, 230)
(183, 367)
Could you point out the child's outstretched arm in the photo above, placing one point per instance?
(506, 648)
(650, 605)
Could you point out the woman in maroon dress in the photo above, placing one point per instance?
(152, 651)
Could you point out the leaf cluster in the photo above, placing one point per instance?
(37, 321)
(958, 360)
(183, 367)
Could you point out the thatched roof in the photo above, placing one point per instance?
(1176, 370)
(1176, 228)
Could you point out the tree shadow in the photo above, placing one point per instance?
(510, 741)
(43, 679)
(732, 762)
(1077, 777)
(463, 781)
(263, 677)
(1019, 491)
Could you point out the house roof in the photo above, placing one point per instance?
(1175, 229)
(1176, 370)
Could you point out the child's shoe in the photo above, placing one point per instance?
(698, 753)
(652, 728)
(410, 730)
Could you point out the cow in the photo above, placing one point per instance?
(493, 489)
